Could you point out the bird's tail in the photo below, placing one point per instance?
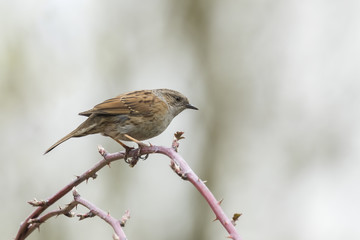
(67, 137)
(85, 128)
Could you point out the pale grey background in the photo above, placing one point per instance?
(277, 135)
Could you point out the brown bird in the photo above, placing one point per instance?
(140, 114)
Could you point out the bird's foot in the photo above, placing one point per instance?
(136, 155)
(140, 146)
(126, 147)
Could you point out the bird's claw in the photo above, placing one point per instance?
(136, 155)
(140, 146)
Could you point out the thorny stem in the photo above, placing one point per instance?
(178, 164)
(115, 224)
(188, 174)
(26, 227)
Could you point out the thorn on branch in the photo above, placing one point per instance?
(176, 168)
(34, 220)
(102, 151)
(86, 215)
(220, 202)
(94, 176)
(70, 214)
(125, 218)
(37, 203)
(115, 237)
(69, 205)
(75, 193)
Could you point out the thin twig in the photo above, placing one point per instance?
(115, 224)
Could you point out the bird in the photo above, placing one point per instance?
(141, 114)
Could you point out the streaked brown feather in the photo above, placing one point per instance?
(133, 103)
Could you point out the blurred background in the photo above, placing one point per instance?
(277, 135)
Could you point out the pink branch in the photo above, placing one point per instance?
(27, 226)
(181, 167)
(115, 224)
(178, 164)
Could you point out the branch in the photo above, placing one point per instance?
(115, 224)
(28, 226)
(94, 211)
(178, 164)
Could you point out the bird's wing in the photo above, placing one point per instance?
(133, 103)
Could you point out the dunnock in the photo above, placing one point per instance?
(140, 114)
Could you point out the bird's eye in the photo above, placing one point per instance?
(178, 99)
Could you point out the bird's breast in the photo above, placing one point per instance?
(143, 128)
(139, 127)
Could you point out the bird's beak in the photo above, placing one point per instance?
(191, 107)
